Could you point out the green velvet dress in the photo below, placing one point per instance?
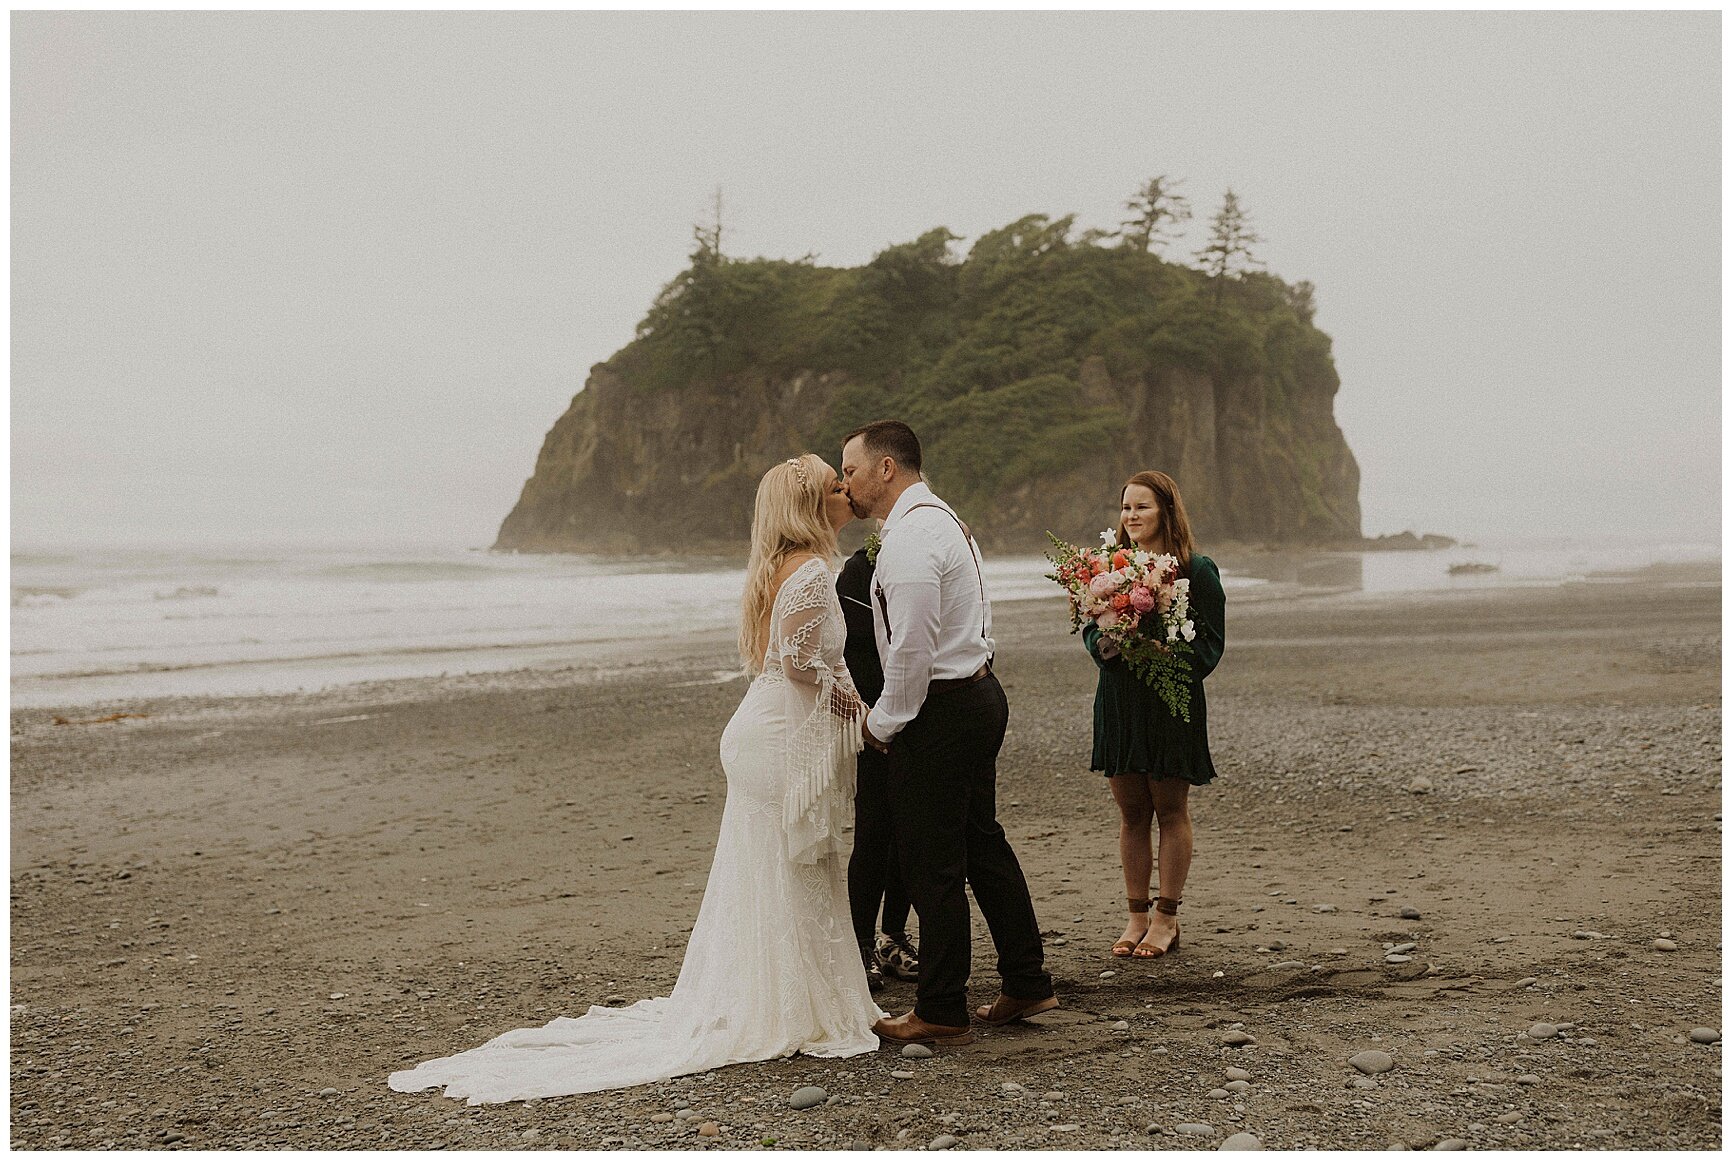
(1135, 732)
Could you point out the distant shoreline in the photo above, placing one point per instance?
(707, 654)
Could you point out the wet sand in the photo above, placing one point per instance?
(231, 919)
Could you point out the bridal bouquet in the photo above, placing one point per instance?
(1141, 606)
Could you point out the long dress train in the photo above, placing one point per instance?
(771, 968)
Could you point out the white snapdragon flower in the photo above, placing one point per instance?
(1189, 631)
(1110, 538)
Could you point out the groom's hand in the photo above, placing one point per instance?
(866, 733)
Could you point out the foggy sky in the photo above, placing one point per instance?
(331, 276)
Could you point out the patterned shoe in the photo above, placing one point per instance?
(874, 974)
(898, 957)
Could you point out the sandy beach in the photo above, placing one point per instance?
(231, 919)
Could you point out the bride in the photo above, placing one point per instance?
(771, 968)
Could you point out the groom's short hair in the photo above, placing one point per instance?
(889, 437)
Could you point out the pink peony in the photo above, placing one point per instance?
(1103, 586)
(1107, 620)
(1142, 600)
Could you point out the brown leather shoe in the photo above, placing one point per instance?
(1007, 1008)
(911, 1029)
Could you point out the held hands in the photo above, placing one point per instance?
(866, 734)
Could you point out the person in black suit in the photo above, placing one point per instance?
(873, 875)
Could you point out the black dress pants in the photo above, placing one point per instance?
(873, 874)
(943, 794)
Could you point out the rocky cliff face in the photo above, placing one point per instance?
(1257, 459)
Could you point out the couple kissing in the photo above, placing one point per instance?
(774, 964)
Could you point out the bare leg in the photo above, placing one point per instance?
(1172, 806)
(1136, 850)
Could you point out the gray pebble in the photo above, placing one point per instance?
(1237, 1086)
(1403, 948)
(1321, 909)
(1218, 1094)
(1542, 1032)
(1393, 957)
(1527, 981)
(1586, 935)
(1705, 1035)
(1411, 913)
(1509, 1118)
(328, 1092)
(1371, 1061)
(1451, 1144)
(1237, 1037)
(1665, 945)
(809, 1097)
(1235, 1073)
(1121, 1026)
(1054, 1095)
(1288, 965)
(1527, 1078)
(1362, 1082)
(1195, 1129)
(916, 1052)
(1241, 1142)
(662, 1118)
(1010, 1086)
(942, 1141)
(900, 1075)
(1107, 975)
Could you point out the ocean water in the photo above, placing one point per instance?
(94, 626)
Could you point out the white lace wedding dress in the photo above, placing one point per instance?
(771, 968)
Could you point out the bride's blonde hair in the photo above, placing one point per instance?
(787, 520)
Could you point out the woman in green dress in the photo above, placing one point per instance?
(1150, 756)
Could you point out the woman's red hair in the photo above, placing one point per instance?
(1175, 525)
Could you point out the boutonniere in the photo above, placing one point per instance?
(873, 543)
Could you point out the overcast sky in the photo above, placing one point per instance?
(333, 275)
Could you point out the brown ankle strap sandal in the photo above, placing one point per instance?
(1123, 948)
(1147, 950)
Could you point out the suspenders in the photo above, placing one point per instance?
(968, 542)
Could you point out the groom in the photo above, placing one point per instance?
(941, 721)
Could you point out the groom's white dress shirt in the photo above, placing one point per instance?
(927, 608)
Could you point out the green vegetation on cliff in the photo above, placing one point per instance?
(993, 343)
(1040, 370)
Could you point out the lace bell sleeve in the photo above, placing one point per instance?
(823, 726)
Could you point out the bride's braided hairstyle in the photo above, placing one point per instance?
(787, 520)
